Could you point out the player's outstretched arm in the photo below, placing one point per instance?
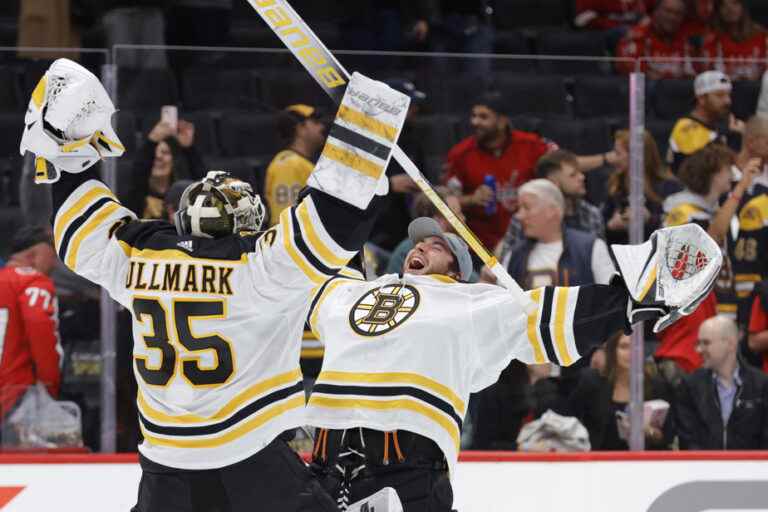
(335, 215)
(68, 128)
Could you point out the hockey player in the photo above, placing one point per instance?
(403, 353)
(218, 307)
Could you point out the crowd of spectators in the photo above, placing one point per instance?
(526, 197)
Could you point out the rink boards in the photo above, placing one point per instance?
(484, 482)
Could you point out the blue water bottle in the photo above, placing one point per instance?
(490, 181)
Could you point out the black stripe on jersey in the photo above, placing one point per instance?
(79, 221)
(359, 141)
(601, 311)
(316, 298)
(391, 391)
(301, 245)
(239, 416)
(546, 315)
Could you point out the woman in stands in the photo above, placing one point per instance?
(659, 183)
(168, 155)
(600, 396)
(738, 46)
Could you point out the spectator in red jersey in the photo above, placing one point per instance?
(608, 14)
(29, 349)
(498, 151)
(738, 44)
(758, 323)
(660, 38)
(697, 24)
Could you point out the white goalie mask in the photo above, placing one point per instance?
(219, 205)
(68, 122)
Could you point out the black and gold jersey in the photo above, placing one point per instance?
(747, 251)
(688, 136)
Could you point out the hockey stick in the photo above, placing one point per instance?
(332, 77)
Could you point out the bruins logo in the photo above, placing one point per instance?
(382, 309)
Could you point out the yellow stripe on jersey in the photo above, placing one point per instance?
(74, 146)
(727, 308)
(38, 95)
(63, 220)
(648, 284)
(367, 123)
(533, 331)
(312, 353)
(560, 310)
(228, 409)
(747, 278)
(244, 427)
(324, 295)
(442, 278)
(353, 161)
(172, 255)
(94, 223)
(313, 238)
(385, 405)
(293, 251)
(393, 378)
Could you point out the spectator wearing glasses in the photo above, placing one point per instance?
(709, 121)
(724, 405)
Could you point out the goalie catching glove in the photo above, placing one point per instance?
(68, 122)
(670, 274)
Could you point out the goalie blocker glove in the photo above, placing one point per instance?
(359, 144)
(669, 275)
(68, 122)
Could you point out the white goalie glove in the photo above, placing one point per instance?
(670, 274)
(359, 145)
(385, 500)
(68, 122)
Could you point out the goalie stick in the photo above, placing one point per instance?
(332, 77)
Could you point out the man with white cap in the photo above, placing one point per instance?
(707, 121)
(403, 353)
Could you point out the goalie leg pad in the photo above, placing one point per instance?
(359, 145)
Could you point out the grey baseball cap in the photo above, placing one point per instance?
(424, 227)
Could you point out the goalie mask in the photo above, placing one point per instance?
(217, 206)
(68, 122)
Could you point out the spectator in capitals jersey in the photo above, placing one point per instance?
(609, 14)
(709, 121)
(738, 46)
(659, 37)
(697, 24)
(498, 151)
(303, 129)
(29, 350)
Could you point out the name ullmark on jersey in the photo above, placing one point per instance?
(383, 309)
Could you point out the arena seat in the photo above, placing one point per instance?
(204, 88)
(10, 95)
(146, 88)
(744, 97)
(244, 135)
(670, 99)
(126, 127)
(283, 88)
(582, 136)
(600, 96)
(11, 125)
(660, 129)
(531, 13)
(437, 133)
(534, 94)
(574, 44)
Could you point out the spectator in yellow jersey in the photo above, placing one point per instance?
(707, 121)
(303, 130)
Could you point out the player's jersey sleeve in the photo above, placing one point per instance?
(313, 241)
(567, 324)
(87, 215)
(38, 307)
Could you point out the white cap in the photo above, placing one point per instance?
(546, 190)
(711, 81)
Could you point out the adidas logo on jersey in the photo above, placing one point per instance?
(186, 245)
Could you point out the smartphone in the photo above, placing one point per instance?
(170, 114)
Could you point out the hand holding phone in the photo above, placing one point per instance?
(169, 114)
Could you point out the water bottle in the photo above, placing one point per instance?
(490, 181)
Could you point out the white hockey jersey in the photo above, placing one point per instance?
(404, 353)
(217, 323)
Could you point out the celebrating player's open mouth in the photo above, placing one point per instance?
(430, 256)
